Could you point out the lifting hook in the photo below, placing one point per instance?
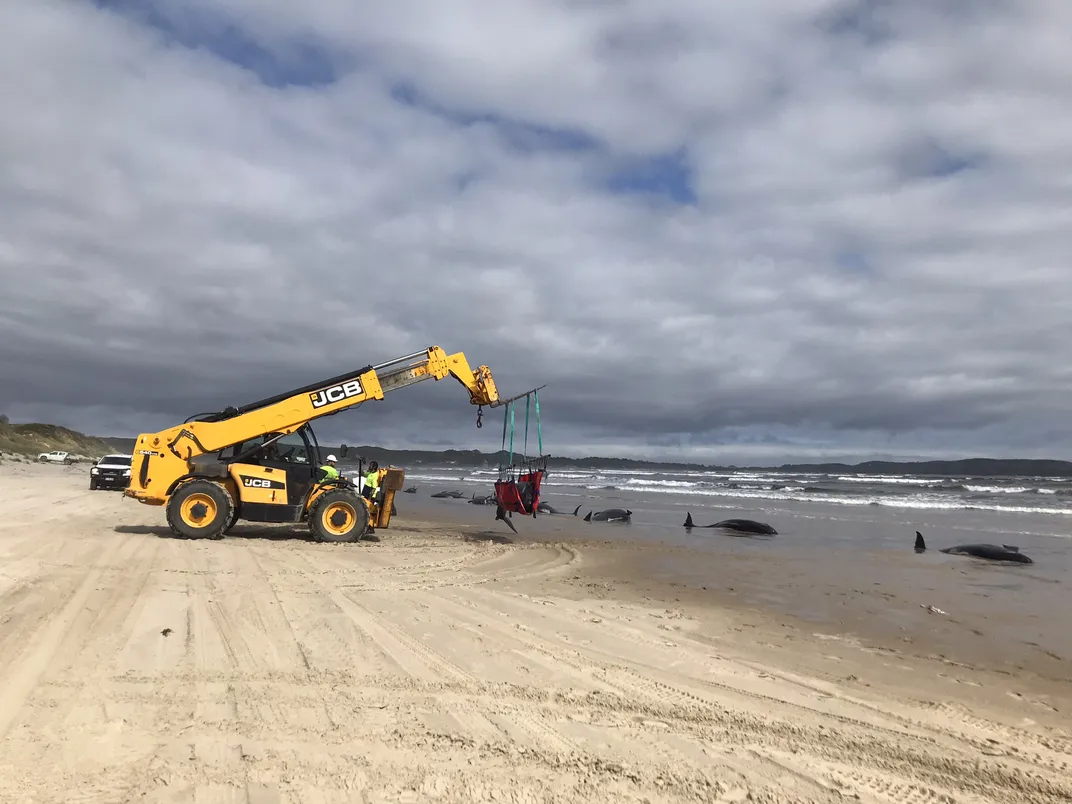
(479, 416)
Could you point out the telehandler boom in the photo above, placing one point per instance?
(261, 462)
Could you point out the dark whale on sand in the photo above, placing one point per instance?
(487, 499)
(991, 552)
(443, 494)
(738, 525)
(410, 490)
(608, 515)
(547, 508)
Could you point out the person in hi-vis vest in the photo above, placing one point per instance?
(373, 476)
(328, 472)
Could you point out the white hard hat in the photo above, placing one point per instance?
(332, 459)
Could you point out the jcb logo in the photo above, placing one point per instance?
(336, 393)
(257, 483)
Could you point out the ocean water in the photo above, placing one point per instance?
(843, 510)
(1028, 495)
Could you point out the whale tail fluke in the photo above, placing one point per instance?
(578, 508)
(588, 517)
(688, 520)
(500, 513)
(920, 544)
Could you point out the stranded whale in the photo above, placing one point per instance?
(738, 525)
(991, 552)
(609, 515)
(547, 508)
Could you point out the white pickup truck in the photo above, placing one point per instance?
(56, 456)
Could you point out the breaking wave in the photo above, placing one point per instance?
(1013, 495)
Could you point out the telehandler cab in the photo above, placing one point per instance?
(261, 462)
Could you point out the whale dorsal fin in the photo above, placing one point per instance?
(1012, 547)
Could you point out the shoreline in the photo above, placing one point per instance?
(872, 597)
(454, 662)
(620, 571)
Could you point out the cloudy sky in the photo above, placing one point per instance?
(755, 231)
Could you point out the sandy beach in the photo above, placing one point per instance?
(454, 662)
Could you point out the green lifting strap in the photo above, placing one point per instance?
(539, 430)
(508, 418)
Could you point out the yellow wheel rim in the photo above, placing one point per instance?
(199, 510)
(338, 518)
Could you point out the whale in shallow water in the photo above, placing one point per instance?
(737, 525)
(609, 515)
(547, 508)
(991, 552)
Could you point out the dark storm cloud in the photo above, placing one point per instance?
(789, 228)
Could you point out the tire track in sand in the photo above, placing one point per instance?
(328, 638)
(32, 666)
(73, 707)
(413, 658)
(642, 678)
(423, 663)
(870, 744)
(1014, 744)
(476, 568)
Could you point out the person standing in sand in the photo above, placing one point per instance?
(372, 481)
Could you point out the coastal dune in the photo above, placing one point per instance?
(448, 663)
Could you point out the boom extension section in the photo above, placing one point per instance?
(261, 459)
(287, 412)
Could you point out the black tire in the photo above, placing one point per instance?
(92, 485)
(339, 515)
(200, 509)
(231, 522)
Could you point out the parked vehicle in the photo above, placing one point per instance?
(110, 472)
(56, 456)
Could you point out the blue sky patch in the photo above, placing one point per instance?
(279, 64)
(930, 159)
(854, 262)
(866, 21)
(666, 174)
(521, 136)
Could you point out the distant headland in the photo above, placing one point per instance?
(968, 467)
(33, 438)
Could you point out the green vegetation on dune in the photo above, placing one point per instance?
(34, 438)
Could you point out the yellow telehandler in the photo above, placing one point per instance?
(261, 462)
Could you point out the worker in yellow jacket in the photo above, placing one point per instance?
(373, 479)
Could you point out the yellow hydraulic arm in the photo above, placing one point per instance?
(161, 459)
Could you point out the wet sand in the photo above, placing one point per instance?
(452, 661)
(830, 568)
